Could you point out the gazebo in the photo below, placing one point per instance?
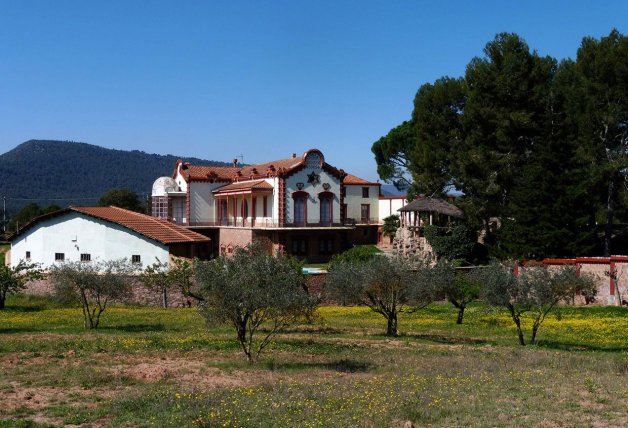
(434, 211)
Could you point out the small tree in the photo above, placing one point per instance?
(250, 289)
(14, 279)
(164, 276)
(458, 288)
(94, 285)
(535, 292)
(391, 224)
(156, 276)
(387, 286)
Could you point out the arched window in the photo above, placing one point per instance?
(300, 207)
(327, 208)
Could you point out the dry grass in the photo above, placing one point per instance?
(155, 367)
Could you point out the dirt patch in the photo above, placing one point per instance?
(185, 372)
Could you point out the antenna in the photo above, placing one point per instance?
(241, 156)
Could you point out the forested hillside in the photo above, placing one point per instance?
(64, 172)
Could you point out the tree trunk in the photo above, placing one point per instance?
(165, 297)
(535, 328)
(2, 299)
(517, 321)
(391, 329)
(610, 211)
(460, 314)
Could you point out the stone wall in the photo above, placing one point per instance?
(141, 295)
(407, 243)
(150, 297)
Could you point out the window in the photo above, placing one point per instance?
(86, 257)
(59, 257)
(300, 208)
(326, 209)
(136, 259)
(325, 246)
(365, 192)
(365, 213)
(299, 246)
(265, 206)
(28, 255)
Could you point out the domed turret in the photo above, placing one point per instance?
(164, 185)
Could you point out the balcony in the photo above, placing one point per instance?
(270, 224)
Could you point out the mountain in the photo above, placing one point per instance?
(65, 172)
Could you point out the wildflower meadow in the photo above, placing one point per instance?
(165, 368)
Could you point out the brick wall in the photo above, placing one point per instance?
(231, 238)
(610, 288)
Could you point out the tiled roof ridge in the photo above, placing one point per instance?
(134, 223)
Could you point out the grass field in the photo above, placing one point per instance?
(157, 367)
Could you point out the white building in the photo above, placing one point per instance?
(103, 233)
(301, 205)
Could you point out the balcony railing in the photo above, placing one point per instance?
(270, 224)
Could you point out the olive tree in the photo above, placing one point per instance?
(93, 285)
(458, 288)
(534, 293)
(388, 286)
(14, 279)
(254, 292)
(164, 276)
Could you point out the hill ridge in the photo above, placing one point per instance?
(69, 172)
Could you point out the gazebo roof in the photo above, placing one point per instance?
(433, 205)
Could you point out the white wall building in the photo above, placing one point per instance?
(301, 205)
(103, 233)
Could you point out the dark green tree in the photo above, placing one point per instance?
(122, 198)
(438, 132)
(27, 213)
(505, 109)
(392, 155)
(601, 109)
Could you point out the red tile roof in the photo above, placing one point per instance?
(151, 227)
(352, 179)
(248, 172)
(245, 186)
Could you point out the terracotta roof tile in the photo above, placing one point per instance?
(246, 172)
(151, 227)
(244, 186)
(352, 179)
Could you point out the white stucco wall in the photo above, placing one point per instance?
(389, 206)
(74, 234)
(202, 203)
(313, 203)
(354, 201)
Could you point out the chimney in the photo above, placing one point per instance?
(294, 155)
(235, 162)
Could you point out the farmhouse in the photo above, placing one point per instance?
(104, 233)
(300, 205)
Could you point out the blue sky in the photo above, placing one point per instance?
(262, 79)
